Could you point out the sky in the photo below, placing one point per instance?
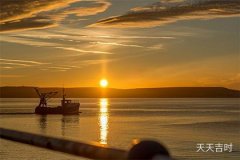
(131, 43)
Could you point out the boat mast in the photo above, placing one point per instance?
(63, 97)
(63, 94)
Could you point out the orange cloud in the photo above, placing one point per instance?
(98, 7)
(12, 10)
(166, 12)
(38, 14)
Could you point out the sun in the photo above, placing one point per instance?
(103, 83)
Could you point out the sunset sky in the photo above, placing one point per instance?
(131, 43)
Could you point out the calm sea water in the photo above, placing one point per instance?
(180, 124)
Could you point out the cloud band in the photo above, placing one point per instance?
(165, 12)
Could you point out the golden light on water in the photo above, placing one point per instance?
(103, 120)
(103, 83)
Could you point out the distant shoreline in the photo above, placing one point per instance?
(94, 92)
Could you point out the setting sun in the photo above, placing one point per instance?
(103, 83)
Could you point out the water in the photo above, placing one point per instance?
(180, 124)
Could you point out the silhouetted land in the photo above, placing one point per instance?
(91, 92)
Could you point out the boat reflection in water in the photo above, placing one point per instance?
(103, 120)
(43, 123)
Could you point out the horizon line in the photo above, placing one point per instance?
(130, 88)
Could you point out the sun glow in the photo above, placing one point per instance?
(103, 83)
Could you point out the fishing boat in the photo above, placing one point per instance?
(66, 107)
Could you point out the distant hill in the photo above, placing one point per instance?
(91, 92)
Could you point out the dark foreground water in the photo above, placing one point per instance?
(181, 124)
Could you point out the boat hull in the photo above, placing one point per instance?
(73, 109)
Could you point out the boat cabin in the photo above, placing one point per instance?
(66, 102)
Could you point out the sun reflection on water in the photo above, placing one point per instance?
(103, 120)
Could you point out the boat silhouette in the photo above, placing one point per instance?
(66, 107)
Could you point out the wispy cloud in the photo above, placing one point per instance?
(40, 41)
(92, 34)
(27, 41)
(51, 38)
(23, 15)
(39, 14)
(165, 12)
(6, 67)
(83, 51)
(21, 61)
(97, 7)
(83, 41)
(158, 46)
(16, 64)
(17, 10)
(137, 37)
(95, 61)
(116, 44)
(59, 68)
